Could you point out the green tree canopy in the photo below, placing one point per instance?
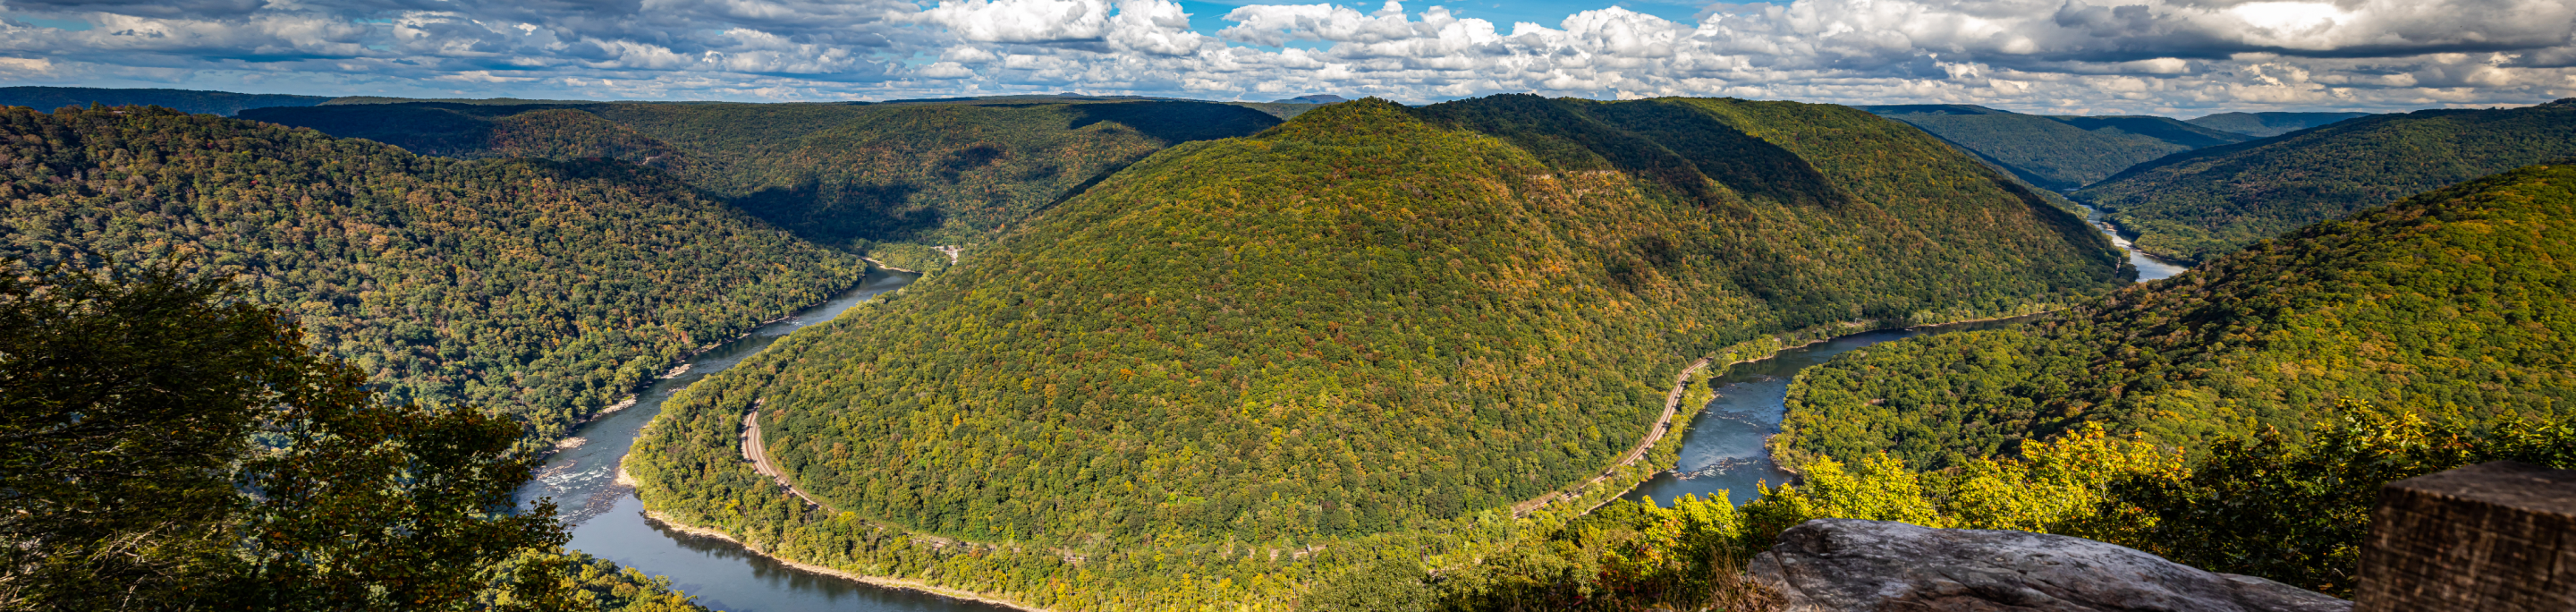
(165, 444)
(1368, 326)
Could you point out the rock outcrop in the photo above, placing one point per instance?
(1855, 565)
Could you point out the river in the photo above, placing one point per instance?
(1722, 450)
(608, 521)
(2149, 268)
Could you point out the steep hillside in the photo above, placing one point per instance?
(2057, 153)
(539, 288)
(183, 100)
(1242, 364)
(844, 173)
(2267, 125)
(2209, 202)
(2457, 304)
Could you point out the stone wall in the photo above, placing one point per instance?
(2496, 537)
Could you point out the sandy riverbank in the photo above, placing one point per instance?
(882, 581)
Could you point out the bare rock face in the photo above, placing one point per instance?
(1856, 565)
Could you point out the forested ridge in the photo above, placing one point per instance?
(1243, 365)
(542, 289)
(2269, 124)
(2456, 304)
(2200, 205)
(2057, 152)
(182, 100)
(845, 174)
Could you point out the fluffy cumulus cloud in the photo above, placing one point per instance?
(2153, 56)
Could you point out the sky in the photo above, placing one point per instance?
(2165, 57)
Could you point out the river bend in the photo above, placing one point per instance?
(608, 521)
(1722, 450)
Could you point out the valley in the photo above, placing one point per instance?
(2197, 205)
(1280, 320)
(1069, 352)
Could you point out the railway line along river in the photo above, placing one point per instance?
(1721, 450)
(608, 521)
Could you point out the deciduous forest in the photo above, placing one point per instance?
(1243, 365)
(2052, 152)
(2453, 305)
(545, 290)
(844, 174)
(1353, 356)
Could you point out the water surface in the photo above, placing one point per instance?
(1722, 450)
(608, 521)
(2149, 268)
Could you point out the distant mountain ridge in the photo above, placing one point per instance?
(1312, 99)
(46, 99)
(930, 172)
(2057, 152)
(2199, 205)
(2266, 125)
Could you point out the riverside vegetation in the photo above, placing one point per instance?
(1334, 365)
(542, 290)
(539, 289)
(2238, 418)
(2305, 371)
(1243, 368)
(2206, 203)
(2449, 305)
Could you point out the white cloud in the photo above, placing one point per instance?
(1022, 21)
(2163, 56)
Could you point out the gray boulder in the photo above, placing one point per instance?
(1855, 565)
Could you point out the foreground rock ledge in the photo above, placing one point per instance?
(1845, 564)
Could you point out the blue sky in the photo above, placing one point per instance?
(2170, 57)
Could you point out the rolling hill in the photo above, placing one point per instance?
(2057, 152)
(2199, 205)
(46, 99)
(849, 174)
(543, 289)
(2266, 125)
(1242, 365)
(2456, 304)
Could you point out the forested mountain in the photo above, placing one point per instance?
(2455, 304)
(2199, 205)
(935, 172)
(542, 289)
(1241, 365)
(346, 100)
(182, 100)
(2266, 125)
(2057, 152)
